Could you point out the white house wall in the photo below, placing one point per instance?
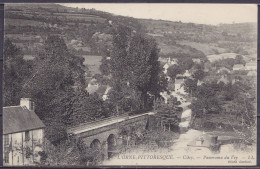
(17, 154)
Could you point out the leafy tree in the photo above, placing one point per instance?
(174, 70)
(15, 71)
(105, 66)
(206, 101)
(240, 60)
(56, 73)
(134, 68)
(198, 72)
(227, 63)
(190, 85)
(57, 86)
(144, 67)
(186, 63)
(169, 113)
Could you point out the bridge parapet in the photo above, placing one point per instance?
(94, 128)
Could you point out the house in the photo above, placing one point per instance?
(92, 86)
(238, 67)
(179, 86)
(224, 79)
(23, 134)
(223, 70)
(196, 60)
(251, 66)
(105, 95)
(102, 91)
(187, 74)
(199, 83)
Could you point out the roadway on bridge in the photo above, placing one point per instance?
(103, 123)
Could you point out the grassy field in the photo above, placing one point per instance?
(22, 22)
(206, 48)
(213, 58)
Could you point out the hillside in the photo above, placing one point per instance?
(89, 32)
(209, 39)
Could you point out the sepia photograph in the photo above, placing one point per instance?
(129, 84)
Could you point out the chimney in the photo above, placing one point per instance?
(27, 102)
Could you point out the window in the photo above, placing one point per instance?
(27, 152)
(6, 140)
(27, 136)
(6, 157)
(6, 148)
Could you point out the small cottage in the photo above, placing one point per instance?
(23, 134)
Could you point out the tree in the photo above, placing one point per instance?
(105, 66)
(174, 70)
(118, 64)
(169, 113)
(198, 72)
(56, 73)
(186, 63)
(190, 85)
(57, 86)
(206, 101)
(15, 72)
(134, 68)
(144, 67)
(240, 60)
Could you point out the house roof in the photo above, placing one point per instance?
(179, 81)
(19, 118)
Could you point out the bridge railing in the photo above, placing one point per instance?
(96, 123)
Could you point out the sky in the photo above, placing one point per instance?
(196, 13)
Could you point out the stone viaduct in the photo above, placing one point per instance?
(105, 134)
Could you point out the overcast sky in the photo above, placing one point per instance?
(196, 13)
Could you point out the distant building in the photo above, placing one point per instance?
(196, 60)
(105, 95)
(169, 63)
(199, 83)
(238, 67)
(251, 66)
(92, 86)
(187, 74)
(224, 79)
(102, 91)
(23, 134)
(223, 69)
(179, 86)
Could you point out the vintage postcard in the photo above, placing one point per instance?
(136, 84)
